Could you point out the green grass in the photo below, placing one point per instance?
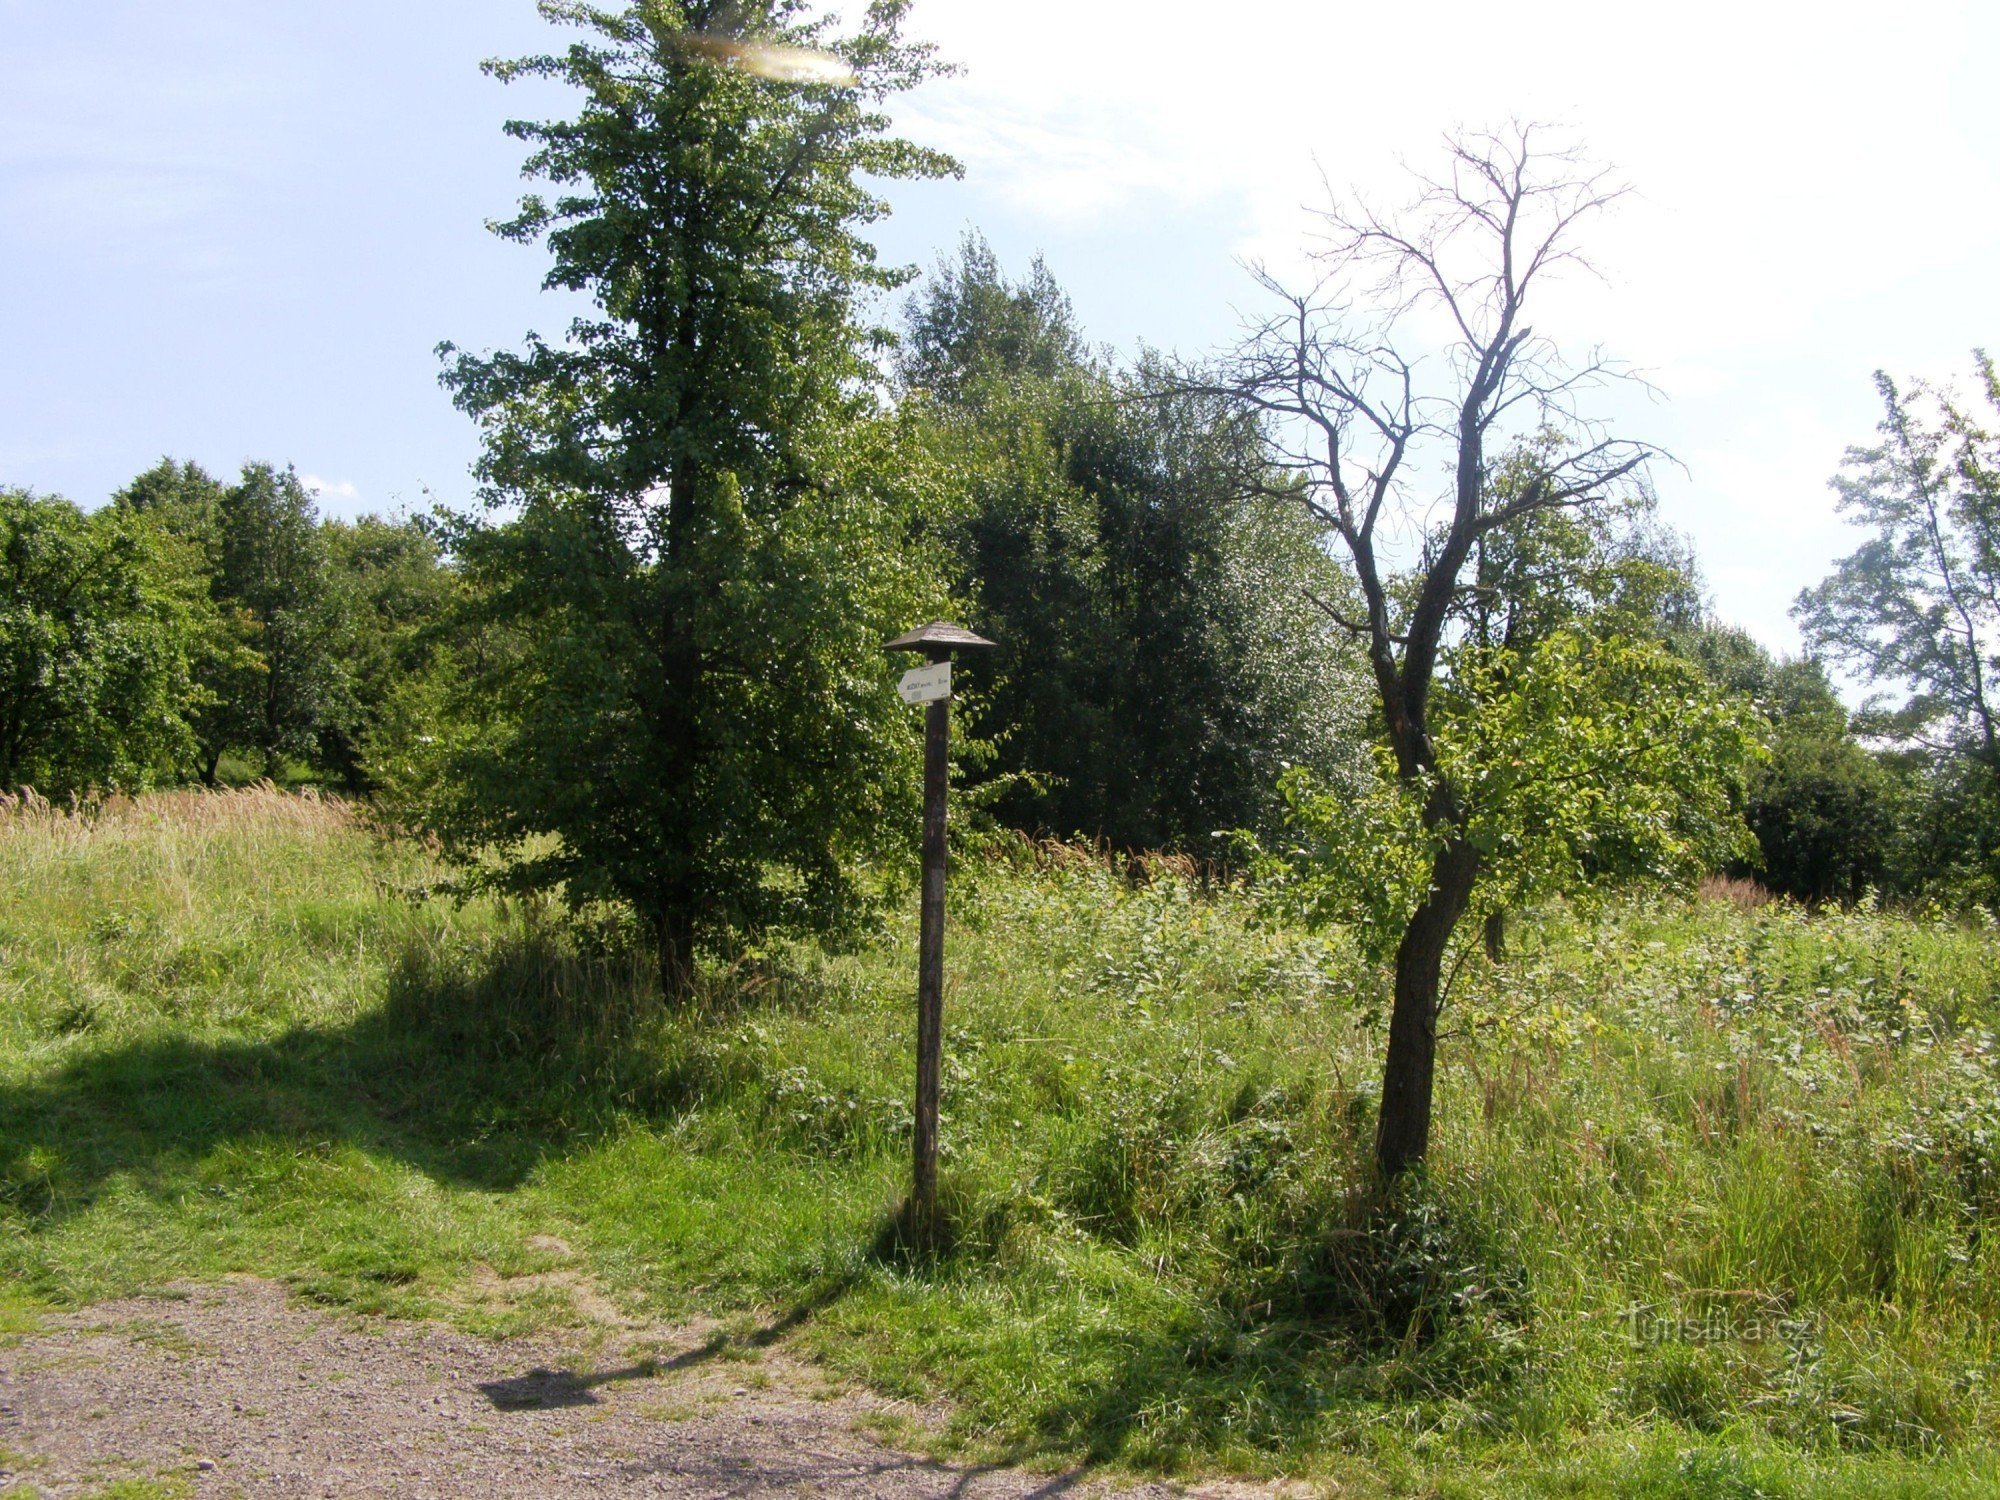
(1711, 1210)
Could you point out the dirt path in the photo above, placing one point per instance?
(238, 1390)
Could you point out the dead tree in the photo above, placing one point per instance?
(1411, 360)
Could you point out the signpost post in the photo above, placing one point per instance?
(931, 685)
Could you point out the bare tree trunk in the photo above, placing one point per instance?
(1403, 1127)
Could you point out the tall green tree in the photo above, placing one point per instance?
(285, 679)
(699, 547)
(180, 503)
(1822, 808)
(1916, 608)
(394, 607)
(970, 328)
(1166, 660)
(182, 497)
(96, 627)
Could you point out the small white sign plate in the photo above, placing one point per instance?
(926, 684)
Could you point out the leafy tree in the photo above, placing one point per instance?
(1917, 606)
(1822, 808)
(280, 677)
(1165, 659)
(393, 602)
(269, 660)
(183, 497)
(1945, 821)
(970, 328)
(1601, 573)
(1522, 764)
(685, 706)
(181, 504)
(95, 634)
(1586, 752)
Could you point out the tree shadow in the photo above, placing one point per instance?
(542, 1389)
(463, 1072)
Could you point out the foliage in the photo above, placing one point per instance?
(1586, 751)
(305, 629)
(1612, 564)
(182, 502)
(96, 635)
(1590, 760)
(394, 603)
(1823, 809)
(1917, 607)
(1946, 827)
(696, 549)
(1823, 813)
(269, 664)
(271, 579)
(810, 771)
(1164, 660)
(182, 497)
(1711, 1208)
(970, 330)
(1581, 764)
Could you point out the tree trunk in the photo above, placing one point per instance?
(1403, 1128)
(678, 743)
(673, 929)
(1496, 935)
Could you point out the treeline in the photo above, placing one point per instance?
(191, 630)
(1164, 660)
(1171, 648)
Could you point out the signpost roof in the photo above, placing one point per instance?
(939, 635)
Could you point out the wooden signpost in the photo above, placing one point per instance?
(931, 685)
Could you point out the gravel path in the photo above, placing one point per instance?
(238, 1390)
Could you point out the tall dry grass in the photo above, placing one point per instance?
(260, 807)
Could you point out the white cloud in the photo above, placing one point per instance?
(343, 489)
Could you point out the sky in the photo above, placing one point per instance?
(233, 230)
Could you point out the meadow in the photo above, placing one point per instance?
(1707, 1212)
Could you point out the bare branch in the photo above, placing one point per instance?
(1356, 421)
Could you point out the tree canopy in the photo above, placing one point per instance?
(1916, 610)
(1165, 661)
(697, 546)
(95, 634)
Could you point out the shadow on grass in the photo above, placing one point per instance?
(1384, 1300)
(475, 1068)
(147, 1112)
